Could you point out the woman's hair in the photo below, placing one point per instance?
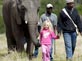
(48, 22)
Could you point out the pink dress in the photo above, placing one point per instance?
(46, 36)
(45, 41)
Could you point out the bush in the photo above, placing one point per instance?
(1, 21)
(1, 2)
(2, 29)
(56, 3)
(79, 7)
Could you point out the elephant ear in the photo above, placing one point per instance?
(16, 13)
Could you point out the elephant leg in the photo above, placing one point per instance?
(10, 41)
(10, 38)
(20, 44)
(19, 37)
(29, 49)
(18, 33)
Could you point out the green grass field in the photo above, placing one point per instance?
(59, 56)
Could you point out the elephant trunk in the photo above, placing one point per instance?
(33, 35)
(32, 24)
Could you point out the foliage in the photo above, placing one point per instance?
(1, 25)
(1, 21)
(79, 7)
(1, 2)
(58, 5)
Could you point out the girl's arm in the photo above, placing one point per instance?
(53, 35)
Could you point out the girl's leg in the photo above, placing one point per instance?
(48, 52)
(44, 53)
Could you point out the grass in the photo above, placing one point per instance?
(59, 56)
(14, 56)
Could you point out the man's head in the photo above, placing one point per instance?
(70, 4)
(49, 8)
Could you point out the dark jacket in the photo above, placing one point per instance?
(65, 24)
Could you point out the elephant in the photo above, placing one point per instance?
(20, 19)
(7, 21)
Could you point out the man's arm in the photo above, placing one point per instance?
(55, 23)
(59, 24)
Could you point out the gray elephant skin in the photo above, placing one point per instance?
(15, 14)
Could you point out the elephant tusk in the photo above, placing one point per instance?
(25, 22)
(25, 46)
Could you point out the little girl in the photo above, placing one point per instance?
(46, 35)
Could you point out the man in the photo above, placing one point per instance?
(53, 18)
(68, 28)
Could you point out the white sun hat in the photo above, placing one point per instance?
(68, 1)
(49, 5)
